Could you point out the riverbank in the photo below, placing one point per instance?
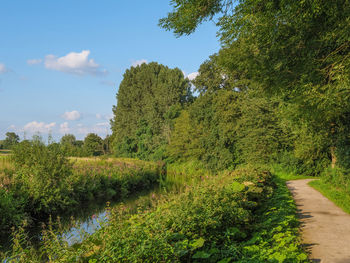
(230, 217)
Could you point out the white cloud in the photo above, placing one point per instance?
(102, 124)
(3, 68)
(192, 75)
(138, 62)
(64, 128)
(74, 63)
(104, 117)
(71, 115)
(35, 126)
(101, 129)
(34, 61)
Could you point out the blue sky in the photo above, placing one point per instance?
(61, 62)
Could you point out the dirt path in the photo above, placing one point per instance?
(325, 227)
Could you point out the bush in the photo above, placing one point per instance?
(43, 172)
(11, 211)
(192, 226)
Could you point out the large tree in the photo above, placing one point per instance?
(145, 97)
(296, 49)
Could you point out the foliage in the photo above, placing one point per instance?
(43, 173)
(11, 209)
(69, 145)
(45, 182)
(261, 134)
(276, 234)
(93, 145)
(146, 99)
(234, 217)
(10, 141)
(299, 51)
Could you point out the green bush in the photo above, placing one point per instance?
(192, 226)
(11, 211)
(44, 182)
(43, 172)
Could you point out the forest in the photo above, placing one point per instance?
(273, 104)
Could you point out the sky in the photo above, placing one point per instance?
(61, 61)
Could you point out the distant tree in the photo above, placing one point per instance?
(11, 140)
(68, 144)
(145, 95)
(93, 144)
(68, 139)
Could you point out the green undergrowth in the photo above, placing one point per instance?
(276, 236)
(242, 216)
(335, 185)
(288, 175)
(39, 181)
(337, 195)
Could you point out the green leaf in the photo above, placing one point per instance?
(225, 260)
(201, 254)
(237, 187)
(197, 243)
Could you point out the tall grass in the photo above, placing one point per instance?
(180, 175)
(6, 162)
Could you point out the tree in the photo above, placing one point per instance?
(298, 50)
(68, 144)
(11, 140)
(93, 144)
(146, 93)
(183, 143)
(68, 139)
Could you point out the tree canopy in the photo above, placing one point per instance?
(147, 95)
(295, 50)
(11, 140)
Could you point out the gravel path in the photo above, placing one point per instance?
(325, 227)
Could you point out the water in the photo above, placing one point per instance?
(85, 221)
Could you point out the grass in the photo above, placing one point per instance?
(288, 175)
(5, 152)
(338, 196)
(6, 162)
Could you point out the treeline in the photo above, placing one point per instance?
(278, 91)
(92, 145)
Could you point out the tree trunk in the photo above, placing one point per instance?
(333, 156)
